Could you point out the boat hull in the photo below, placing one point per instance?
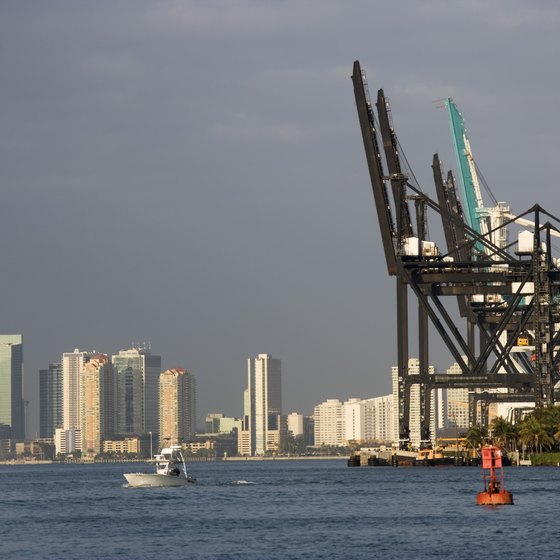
(155, 480)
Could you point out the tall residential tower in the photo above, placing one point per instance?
(97, 403)
(177, 406)
(72, 367)
(263, 406)
(50, 400)
(137, 372)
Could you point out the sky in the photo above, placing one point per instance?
(191, 175)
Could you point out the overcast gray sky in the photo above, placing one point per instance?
(191, 173)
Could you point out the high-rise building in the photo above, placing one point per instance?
(454, 405)
(354, 421)
(177, 406)
(329, 423)
(97, 403)
(378, 419)
(137, 372)
(262, 422)
(72, 366)
(50, 400)
(354, 424)
(12, 424)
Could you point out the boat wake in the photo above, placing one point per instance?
(241, 482)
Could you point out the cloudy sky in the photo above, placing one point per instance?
(191, 173)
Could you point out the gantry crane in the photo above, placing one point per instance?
(500, 295)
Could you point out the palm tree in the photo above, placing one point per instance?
(476, 436)
(502, 432)
(550, 419)
(533, 433)
(557, 436)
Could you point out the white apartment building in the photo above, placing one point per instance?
(378, 419)
(354, 421)
(295, 422)
(72, 367)
(329, 423)
(454, 405)
(67, 441)
(262, 424)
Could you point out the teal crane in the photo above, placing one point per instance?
(474, 211)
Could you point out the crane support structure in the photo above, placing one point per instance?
(501, 296)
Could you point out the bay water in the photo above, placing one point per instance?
(268, 510)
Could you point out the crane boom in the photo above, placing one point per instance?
(468, 178)
(373, 157)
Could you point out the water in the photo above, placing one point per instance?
(284, 510)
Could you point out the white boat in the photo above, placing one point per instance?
(171, 470)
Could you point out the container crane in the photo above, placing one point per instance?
(492, 286)
(484, 220)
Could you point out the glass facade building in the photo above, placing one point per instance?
(50, 400)
(12, 424)
(137, 379)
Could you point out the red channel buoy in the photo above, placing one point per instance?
(494, 493)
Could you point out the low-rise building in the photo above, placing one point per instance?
(129, 445)
(67, 441)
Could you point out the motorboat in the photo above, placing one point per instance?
(170, 470)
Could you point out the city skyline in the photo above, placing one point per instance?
(235, 404)
(193, 175)
(138, 362)
(92, 403)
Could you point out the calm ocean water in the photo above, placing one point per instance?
(283, 510)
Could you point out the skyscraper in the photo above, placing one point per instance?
(137, 372)
(11, 387)
(263, 406)
(177, 406)
(72, 366)
(50, 400)
(97, 403)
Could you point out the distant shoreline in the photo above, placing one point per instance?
(18, 462)
(285, 458)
